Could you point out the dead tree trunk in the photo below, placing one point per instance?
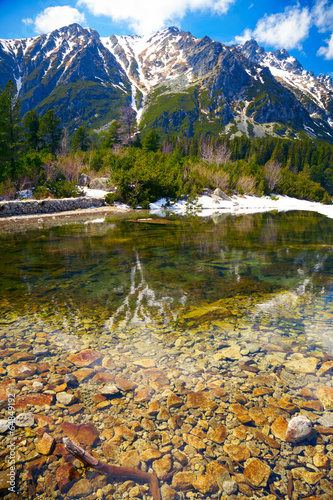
(114, 471)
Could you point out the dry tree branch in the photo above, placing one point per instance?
(114, 470)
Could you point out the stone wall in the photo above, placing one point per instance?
(48, 206)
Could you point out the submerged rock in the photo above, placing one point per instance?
(299, 428)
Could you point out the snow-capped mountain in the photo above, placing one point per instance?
(315, 93)
(174, 82)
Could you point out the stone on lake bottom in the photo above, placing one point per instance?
(230, 487)
(279, 428)
(65, 475)
(205, 484)
(35, 399)
(4, 426)
(46, 444)
(65, 399)
(21, 371)
(325, 394)
(81, 488)
(167, 492)
(326, 367)
(85, 358)
(257, 472)
(25, 420)
(183, 480)
(303, 365)
(299, 428)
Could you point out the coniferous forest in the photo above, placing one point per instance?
(37, 153)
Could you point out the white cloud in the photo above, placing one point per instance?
(323, 15)
(327, 52)
(283, 30)
(146, 16)
(53, 18)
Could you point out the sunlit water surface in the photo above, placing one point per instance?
(272, 271)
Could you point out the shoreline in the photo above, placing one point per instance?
(204, 206)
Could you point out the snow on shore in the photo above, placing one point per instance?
(238, 205)
(206, 206)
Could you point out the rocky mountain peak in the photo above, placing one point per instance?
(173, 81)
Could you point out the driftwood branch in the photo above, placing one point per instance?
(113, 470)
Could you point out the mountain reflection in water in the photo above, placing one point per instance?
(89, 278)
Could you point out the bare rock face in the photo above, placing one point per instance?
(299, 428)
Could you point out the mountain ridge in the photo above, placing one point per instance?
(174, 82)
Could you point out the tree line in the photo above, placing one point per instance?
(36, 152)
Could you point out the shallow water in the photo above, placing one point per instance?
(219, 307)
(272, 269)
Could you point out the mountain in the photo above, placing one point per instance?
(174, 82)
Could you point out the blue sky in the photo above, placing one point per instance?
(303, 27)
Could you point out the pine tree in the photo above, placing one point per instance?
(82, 140)
(50, 131)
(10, 129)
(31, 126)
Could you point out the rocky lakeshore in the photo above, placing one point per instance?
(206, 408)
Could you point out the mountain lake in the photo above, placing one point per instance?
(181, 346)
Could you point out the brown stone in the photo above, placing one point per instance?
(304, 475)
(163, 414)
(240, 453)
(194, 441)
(46, 444)
(21, 356)
(84, 374)
(145, 363)
(167, 492)
(150, 454)
(162, 467)
(327, 431)
(258, 418)
(325, 394)
(279, 428)
(125, 385)
(262, 391)
(43, 367)
(257, 472)
(326, 367)
(111, 452)
(124, 432)
(21, 371)
(102, 378)
(108, 363)
(66, 474)
(303, 365)
(217, 435)
(321, 461)
(141, 396)
(174, 401)
(50, 484)
(260, 436)
(4, 481)
(182, 481)
(312, 405)
(35, 399)
(205, 484)
(201, 400)
(285, 404)
(80, 489)
(83, 434)
(85, 358)
(43, 420)
(130, 459)
(74, 409)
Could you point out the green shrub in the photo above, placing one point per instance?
(41, 192)
(110, 198)
(64, 189)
